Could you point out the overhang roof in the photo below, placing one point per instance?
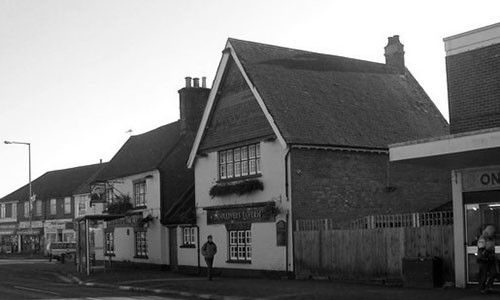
(465, 150)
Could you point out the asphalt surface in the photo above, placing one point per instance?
(38, 279)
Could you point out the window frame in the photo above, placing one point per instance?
(239, 246)
(109, 243)
(189, 236)
(27, 209)
(141, 244)
(140, 195)
(239, 162)
(67, 205)
(38, 208)
(53, 207)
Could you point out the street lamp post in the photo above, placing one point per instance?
(29, 184)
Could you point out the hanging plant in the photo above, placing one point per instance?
(120, 206)
(240, 188)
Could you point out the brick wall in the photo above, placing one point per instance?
(474, 89)
(350, 185)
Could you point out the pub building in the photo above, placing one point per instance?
(289, 135)
(471, 151)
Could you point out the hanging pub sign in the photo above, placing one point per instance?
(245, 213)
(98, 192)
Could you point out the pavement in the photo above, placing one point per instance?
(173, 284)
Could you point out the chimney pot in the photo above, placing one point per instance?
(196, 82)
(188, 82)
(203, 82)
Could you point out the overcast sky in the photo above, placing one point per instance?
(76, 75)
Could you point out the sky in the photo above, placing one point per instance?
(77, 75)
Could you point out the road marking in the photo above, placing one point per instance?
(35, 290)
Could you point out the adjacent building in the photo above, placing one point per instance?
(49, 218)
(471, 151)
(290, 135)
(144, 181)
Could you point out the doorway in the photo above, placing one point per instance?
(477, 217)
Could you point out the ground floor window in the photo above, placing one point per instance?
(141, 244)
(189, 236)
(240, 245)
(110, 243)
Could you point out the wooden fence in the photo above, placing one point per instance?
(356, 254)
(439, 218)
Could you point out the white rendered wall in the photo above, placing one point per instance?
(265, 254)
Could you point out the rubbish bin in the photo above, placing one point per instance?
(421, 272)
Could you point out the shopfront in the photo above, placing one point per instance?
(474, 163)
(30, 236)
(9, 240)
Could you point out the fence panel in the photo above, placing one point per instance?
(372, 253)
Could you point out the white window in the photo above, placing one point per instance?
(82, 207)
(110, 195)
(240, 245)
(2, 213)
(189, 235)
(14, 210)
(52, 237)
(67, 205)
(239, 162)
(110, 243)
(38, 210)
(68, 237)
(53, 206)
(26, 209)
(141, 244)
(140, 194)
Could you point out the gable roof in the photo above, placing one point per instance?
(56, 184)
(318, 99)
(142, 153)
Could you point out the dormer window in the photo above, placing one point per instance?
(239, 162)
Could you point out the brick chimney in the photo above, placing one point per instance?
(395, 55)
(192, 102)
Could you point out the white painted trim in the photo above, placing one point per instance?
(208, 108)
(474, 39)
(458, 230)
(211, 100)
(259, 98)
(450, 145)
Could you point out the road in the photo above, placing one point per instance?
(39, 279)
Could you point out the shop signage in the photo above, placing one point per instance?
(56, 224)
(481, 180)
(6, 232)
(29, 231)
(261, 212)
(34, 224)
(8, 226)
(127, 221)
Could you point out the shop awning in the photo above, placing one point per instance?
(458, 151)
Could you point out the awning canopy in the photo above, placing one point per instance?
(464, 150)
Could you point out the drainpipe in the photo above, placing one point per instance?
(287, 247)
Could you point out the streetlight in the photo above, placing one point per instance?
(29, 166)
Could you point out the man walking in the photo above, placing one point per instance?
(208, 251)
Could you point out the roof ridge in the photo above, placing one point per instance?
(304, 51)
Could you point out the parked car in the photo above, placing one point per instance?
(62, 251)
